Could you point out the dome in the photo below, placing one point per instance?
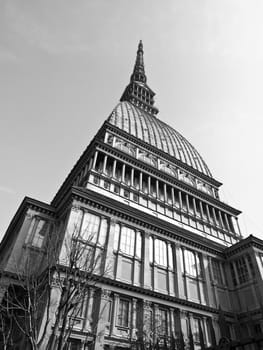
(146, 127)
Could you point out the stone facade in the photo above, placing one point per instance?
(174, 258)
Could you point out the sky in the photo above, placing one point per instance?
(64, 65)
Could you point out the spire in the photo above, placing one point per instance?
(138, 71)
(138, 92)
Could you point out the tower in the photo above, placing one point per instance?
(151, 208)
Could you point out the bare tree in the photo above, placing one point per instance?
(71, 263)
(79, 269)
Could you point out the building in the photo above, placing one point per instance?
(179, 266)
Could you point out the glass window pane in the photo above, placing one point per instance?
(39, 234)
(127, 240)
(123, 313)
(90, 227)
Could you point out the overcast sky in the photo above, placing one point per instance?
(64, 65)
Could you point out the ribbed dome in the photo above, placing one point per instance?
(153, 131)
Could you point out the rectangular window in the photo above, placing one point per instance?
(242, 270)
(90, 227)
(37, 232)
(106, 185)
(96, 180)
(163, 322)
(217, 271)
(127, 240)
(123, 313)
(190, 263)
(160, 252)
(116, 189)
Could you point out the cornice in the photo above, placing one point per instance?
(250, 241)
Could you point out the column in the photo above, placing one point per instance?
(123, 173)
(187, 203)
(102, 319)
(109, 263)
(95, 159)
(146, 262)
(165, 192)
(104, 164)
(114, 313)
(173, 199)
(180, 200)
(156, 321)
(89, 313)
(149, 184)
(206, 334)
(172, 324)
(209, 287)
(195, 211)
(140, 181)
(133, 320)
(147, 322)
(179, 272)
(114, 168)
(132, 177)
(237, 224)
(157, 188)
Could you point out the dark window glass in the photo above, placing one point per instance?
(123, 313)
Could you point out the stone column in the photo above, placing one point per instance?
(95, 159)
(165, 192)
(146, 326)
(172, 324)
(209, 287)
(102, 319)
(105, 164)
(146, 262)
(123, 173)
(114, 168)
(109, 263)
(114, 312)
(89, 319)
(132, 177)
(141, 182)
(133, 320)
(157, 188)
(179, 272)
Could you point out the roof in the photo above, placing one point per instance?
(153, 131)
